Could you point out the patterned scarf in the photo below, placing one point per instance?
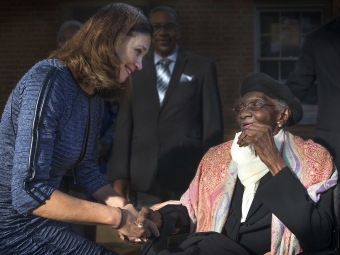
(209, 195)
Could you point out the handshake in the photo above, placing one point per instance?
(138, 226)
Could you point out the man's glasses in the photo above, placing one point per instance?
(251, 106)
(169, 27)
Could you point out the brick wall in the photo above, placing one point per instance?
(27, 34)
(218, 29)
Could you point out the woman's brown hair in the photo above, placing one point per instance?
(91, 53)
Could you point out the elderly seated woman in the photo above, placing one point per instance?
(267, 191)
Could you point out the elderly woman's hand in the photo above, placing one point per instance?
(135, 226)
(149, 220)
(261, 137)
(150, 214)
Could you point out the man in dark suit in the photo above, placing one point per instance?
(173, 117)
(320, 60)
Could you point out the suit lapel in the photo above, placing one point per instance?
(237, 199)
(151, 76)
(175, 76)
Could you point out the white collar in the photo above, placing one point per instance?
(250, 169)
(172, 56)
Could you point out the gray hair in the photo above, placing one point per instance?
(67, 24)
(280, 106)
(165, 9)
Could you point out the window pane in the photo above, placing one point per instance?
(310, 21)
(266, 21)
(281, 35)
(270, 46)
(286, 68)
(290, 45)
(290, 20)
(271, 68)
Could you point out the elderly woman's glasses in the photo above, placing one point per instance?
(169, 27)
(251, 106)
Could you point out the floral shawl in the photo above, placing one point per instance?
(209, 195)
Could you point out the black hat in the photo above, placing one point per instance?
(263, 83)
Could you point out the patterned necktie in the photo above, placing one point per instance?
(163, 77)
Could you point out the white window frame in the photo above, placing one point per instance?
(310, 111)
(259, 10)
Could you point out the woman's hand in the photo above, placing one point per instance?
(136, 227)
(261, 137)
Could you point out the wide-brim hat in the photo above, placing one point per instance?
(261, 82)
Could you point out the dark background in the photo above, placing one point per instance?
(224, 30)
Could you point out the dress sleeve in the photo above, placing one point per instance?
(89, 177)
(87, 173)
(37, 108)
(108, 125)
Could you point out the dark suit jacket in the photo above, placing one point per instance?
(284, 196)
(320, 60)
(168, 140)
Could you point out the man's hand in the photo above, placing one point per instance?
(122, 187)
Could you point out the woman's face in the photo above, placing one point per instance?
(263, 112)
(130, 52)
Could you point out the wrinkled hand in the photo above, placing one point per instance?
(150, 214)
(261, 137)
(136, 227)
(122, 187)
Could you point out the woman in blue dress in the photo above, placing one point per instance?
(51, 123)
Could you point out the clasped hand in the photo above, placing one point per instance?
(137, 226)
(144, 223)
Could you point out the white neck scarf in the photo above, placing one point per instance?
(250, 169)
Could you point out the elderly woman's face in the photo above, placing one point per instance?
(256, 107)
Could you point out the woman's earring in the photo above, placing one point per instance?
(279, 124)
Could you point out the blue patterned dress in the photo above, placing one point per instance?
(48, 126)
